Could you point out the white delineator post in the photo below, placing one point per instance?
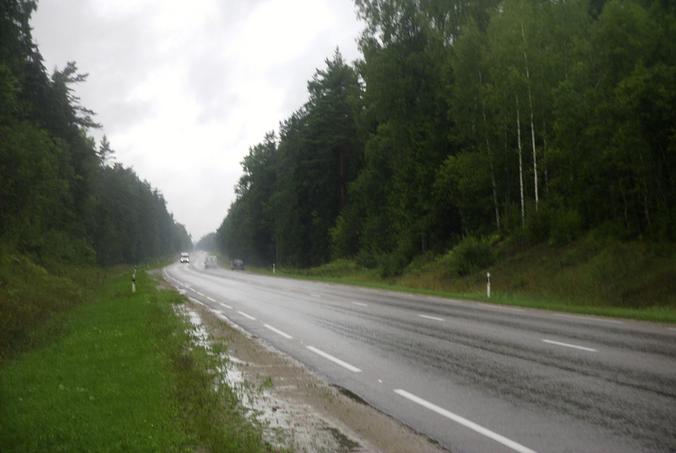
(273, 268)
(488, 285)
(133, 281)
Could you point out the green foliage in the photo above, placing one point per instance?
(470, 255)
(208, 242)
(536, 120)
(29, 297)
(335, 268)
(133, 224)
(59, 198)
(293, 189)
(553, 225)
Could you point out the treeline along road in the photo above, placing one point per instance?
(536, 120)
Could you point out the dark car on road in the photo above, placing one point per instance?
(237, 265)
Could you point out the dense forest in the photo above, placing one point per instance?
(529, 119)
(62, 196)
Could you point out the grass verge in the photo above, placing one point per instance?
(122, 374)
(616, 279)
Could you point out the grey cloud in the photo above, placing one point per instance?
(187, 142)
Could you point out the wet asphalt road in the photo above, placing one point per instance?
(473, 377)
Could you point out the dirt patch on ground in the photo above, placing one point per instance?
(307, 413)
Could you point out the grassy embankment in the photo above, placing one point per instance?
(590, 276)
(87, 366)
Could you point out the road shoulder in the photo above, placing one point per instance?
(324, 417)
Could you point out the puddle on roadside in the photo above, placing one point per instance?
(285, 424)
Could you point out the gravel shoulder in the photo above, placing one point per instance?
(305, 412)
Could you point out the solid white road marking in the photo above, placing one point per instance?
(361, 304)
(583, 318)
(211, 299)
(336, 360)
(464, 422)
(568, 345)
(246, 315)
(279, 332)
(433, 318)
(195, 301)
(220, 315)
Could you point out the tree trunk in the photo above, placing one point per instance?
(342, 177)
(518, 138)
(644, 186)
(495, 192)
(532, 125)
(625, 206)
(490, 159)
(544, 157)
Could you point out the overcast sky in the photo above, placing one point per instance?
(183, 89)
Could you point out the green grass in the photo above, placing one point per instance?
(32, 299)
(119, 374)
(632, 280)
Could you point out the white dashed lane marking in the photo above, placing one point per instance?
(278, 332)
(335, 360)
(465, 422)
(433, 318)
(568, 345)
(246, 315)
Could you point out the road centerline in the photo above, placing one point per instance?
(333, 359)
(278, 332)
(568, 345)
(465, 422)
(361, 304)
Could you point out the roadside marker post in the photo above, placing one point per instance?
(273, 268)
(133, 281)
(488, 285)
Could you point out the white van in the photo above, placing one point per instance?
(210, 261)
(185, 257)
